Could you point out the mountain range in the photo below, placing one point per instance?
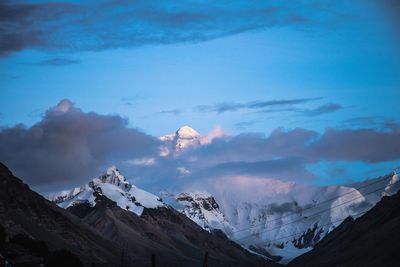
(289, 218)
(279, 231)
(111, 222)
(101, 233)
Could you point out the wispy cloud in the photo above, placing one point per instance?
(175, 112)
(244, 124)
(372, 122)
(59, 61)
(255, 105)
(310, 112)
(323, 109)
(96, 25)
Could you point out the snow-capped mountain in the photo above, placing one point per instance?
(113, 185)
(285, 223)
(183, 138)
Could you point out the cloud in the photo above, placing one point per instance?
(183, 171)
(324, 109)
(70, 146)
(97, 25)
(320, 110)
(375, 122)
(142, 161)
(58, 61)
(367, 145)
(286, 154)
(255, 146)
(175, 112)
(220, 108)
(216, 132)
(286, 169)
(244, 124)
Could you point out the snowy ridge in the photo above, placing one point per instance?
(392, 186)
(203, 209)
(285, 223)
(114, 186)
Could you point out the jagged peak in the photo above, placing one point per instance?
(202, 199)
(195, 195)
(112, 176)
(113, 185)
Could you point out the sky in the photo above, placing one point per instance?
(304, 91)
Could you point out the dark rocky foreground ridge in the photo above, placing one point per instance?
(107, 235)
(371, 240)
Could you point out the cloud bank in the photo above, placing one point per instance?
(98, 25)
(70, 146)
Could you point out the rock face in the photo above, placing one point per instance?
(370, 240)
(204, 210)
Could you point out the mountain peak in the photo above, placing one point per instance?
(184, 137)
(187, 132)
(113, 176)
(113, 185)
(203, 209)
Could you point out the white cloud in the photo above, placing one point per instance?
(142, 161)
(183, 171)
(217, 132)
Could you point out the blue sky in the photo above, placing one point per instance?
(167, 64)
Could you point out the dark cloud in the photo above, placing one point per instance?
(70, 146)
(366, 145)
(362, 145)
(58, 61)
(375, 122)
(28, 25)
(324, 109)
(224, 107)
(95, 25)
(320, 110)
(391, 8)
(255, 147)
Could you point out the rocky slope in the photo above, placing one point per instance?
(23, 211)
(370, 240)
